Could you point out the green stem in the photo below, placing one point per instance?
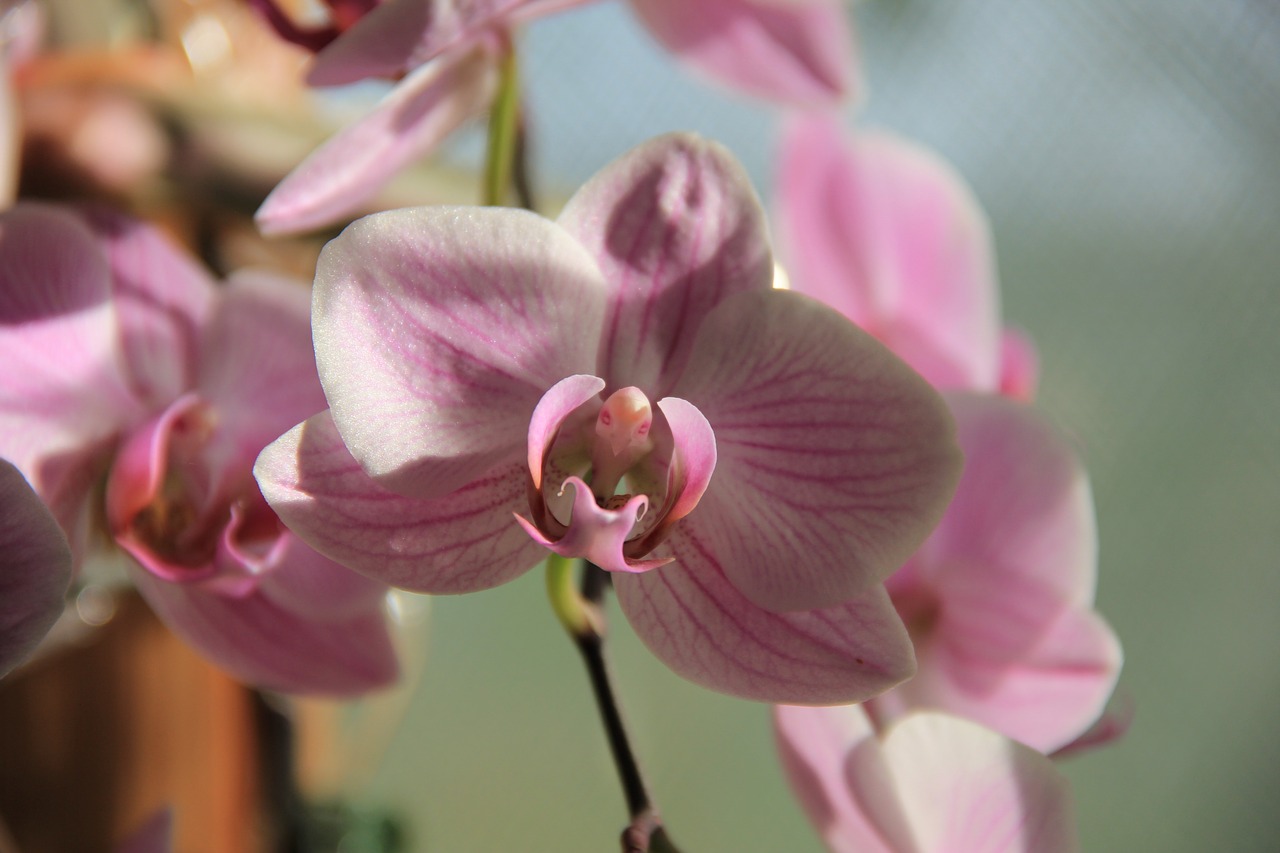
(504, 120)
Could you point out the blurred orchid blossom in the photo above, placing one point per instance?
(485, 363)
(444, 55)
(124, 361)
(35, 568)
(931, 783)
(999, 600)
(889, 235)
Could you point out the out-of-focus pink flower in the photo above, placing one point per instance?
(931, 783)
(889, 235)
(444, 54)
(999, 600)
(35, 568)
(485, 363)
(129, 374)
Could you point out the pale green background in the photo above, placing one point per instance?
(1129, 156)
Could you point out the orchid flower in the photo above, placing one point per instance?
(444, 55)
(136, 396)
(622, 384)
(931, 783)
(889, 235)
(35, 568)
(999, 600)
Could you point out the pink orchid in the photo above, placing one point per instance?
(999, 600)
(484, 365)
(35, 571)
(444, 53)
(931, 783)
(129, 374)
(889, 235)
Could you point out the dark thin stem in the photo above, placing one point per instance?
(521, 179)
(276, 751)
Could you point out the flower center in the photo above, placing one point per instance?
(621, 440)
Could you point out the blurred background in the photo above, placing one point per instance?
(1128, 155)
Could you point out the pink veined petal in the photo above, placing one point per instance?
(813, 745)
(834, 459)
(464, 542)
(889, 235)
(264, 644)
(1019, 365)
(257, 363)
(697, 623)
(162, 297)
(349, 169)
(556, 405)
(676, 228)
(962, 787)
(437, 330)
(35, 571)
(61, 390)
(796, 52)
(1046, 698)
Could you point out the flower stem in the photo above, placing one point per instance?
(504, 120)
(582, 615)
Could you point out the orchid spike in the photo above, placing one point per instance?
(624, 385)
(129, 376)
(444, 56)
(930, 783)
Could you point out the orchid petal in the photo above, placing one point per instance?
(834, 462)
(1010, 572)
(889, 235)
(597, 534)
(36, 569)
(962, 787)
(264, 644)
(556, 405)
(676, 228)
(696, 621)
(258, 367)
(799, 53)
(464, 542)
(61, 391)
(813, 745)
(437, 330)
(162, 297)
(314, 587)
(694, 449)
(406, 125)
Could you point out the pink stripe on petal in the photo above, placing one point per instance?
(464, 542)
(437, 330)
(696, 622)
(835, 460)
(35, 568)
(799, 53)
(676, 228)
(348, 170)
